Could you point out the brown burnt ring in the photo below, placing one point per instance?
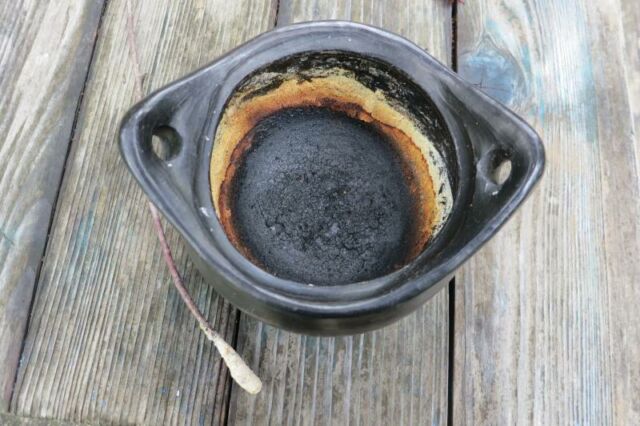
(469, 129)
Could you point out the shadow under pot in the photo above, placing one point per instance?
(329, 177)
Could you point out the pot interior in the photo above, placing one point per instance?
(330, 168)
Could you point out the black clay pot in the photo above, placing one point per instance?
(329, 177)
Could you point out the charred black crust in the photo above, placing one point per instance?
(320, 197)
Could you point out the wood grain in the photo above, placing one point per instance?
(626, 316)
(7, 419)
(45, 48)
(546, 317)
(109, 339)
(397, 375)
(631, 29)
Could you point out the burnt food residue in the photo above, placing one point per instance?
(321, 177)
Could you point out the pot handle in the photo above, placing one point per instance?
(507, 157)
(509, 162)
(159, 142)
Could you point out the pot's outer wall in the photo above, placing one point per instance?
(482, 130)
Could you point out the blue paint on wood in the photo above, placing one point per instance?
(5, 236)
(494, 71)
(588, 92)
(84, 231)
(86, 226)
(501, 66)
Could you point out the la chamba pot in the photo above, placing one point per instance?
(329, 177)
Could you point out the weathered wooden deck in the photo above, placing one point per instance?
(541, 327)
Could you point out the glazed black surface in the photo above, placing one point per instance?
(321, 198)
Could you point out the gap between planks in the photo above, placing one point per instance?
(452, 283)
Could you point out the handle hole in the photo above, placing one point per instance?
(501, 169)
(165, 143)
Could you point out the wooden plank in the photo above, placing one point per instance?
(109, 338)
(399, 372)
(631, 29)
(11, 420)
(625, 316)
(546, 324)
(397, 375)
(44, 57)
